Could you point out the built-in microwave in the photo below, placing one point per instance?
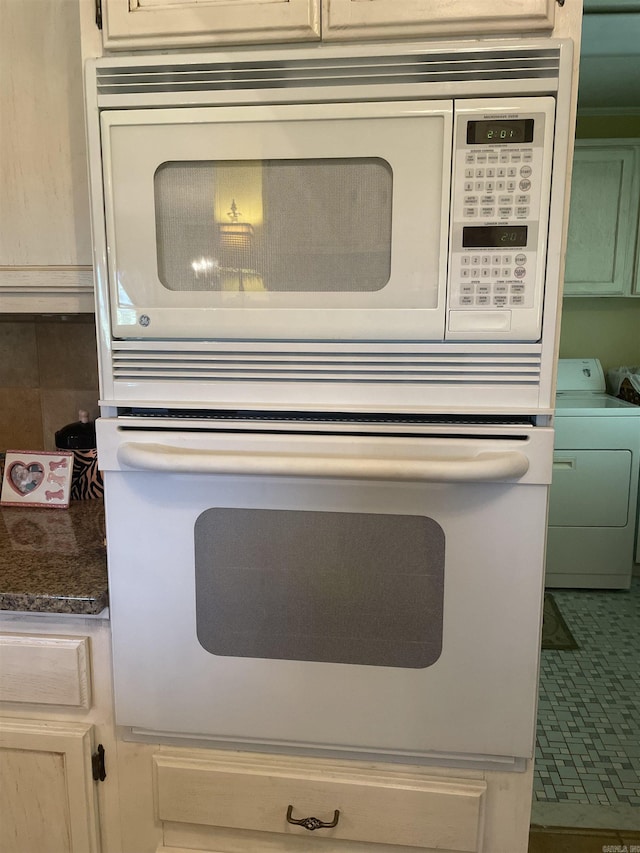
(344, 218)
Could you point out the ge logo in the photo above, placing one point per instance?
(144, 320)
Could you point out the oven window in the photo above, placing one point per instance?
(312, 225)
(353, 588)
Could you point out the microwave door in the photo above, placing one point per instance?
(291, 222)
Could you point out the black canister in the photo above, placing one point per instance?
(80, 435)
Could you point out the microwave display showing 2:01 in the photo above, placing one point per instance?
(507, 131)
(494, 236)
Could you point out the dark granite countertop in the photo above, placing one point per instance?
(53, 560)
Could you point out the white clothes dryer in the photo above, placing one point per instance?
(594, 493)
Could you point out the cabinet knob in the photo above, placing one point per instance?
(312, 823)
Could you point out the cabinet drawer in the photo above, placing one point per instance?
(47, 669)
(401, 806)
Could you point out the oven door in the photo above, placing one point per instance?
(375, 594)
(322, 221)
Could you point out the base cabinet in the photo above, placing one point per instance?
(224, 801)
(55, 711)
(46, 788)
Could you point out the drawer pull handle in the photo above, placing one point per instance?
(312, 823)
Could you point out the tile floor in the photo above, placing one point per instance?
(588, 751)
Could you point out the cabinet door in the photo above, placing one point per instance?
(602, 219)
(174, 23)
(347, 19)
(47, 796)
(45, 242)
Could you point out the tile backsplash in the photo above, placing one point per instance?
(48, 371)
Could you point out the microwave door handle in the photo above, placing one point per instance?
(481, 467)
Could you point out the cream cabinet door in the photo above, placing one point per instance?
(347, 19)
(603, 218)
(187, 23)
(47, 793)
(45, 241)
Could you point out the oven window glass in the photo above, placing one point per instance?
(352, 588)
(275, 225)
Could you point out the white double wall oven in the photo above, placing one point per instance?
(327, 287)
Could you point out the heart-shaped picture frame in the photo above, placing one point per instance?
(37, 478)
(25, 477)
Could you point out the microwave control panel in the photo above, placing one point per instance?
(500, 196)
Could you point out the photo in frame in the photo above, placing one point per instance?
(38, 478)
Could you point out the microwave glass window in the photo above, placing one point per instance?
(312, 225)
(352, 588)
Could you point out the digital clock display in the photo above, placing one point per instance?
(494, 236)
(499, 132)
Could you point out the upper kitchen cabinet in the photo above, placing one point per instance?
(603, 221)
(349, 19)
(140, 24)
(189, 23)
(45, 245)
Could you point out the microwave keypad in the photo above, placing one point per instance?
(497, 186)
(493, 280)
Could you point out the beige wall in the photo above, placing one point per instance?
(48, 371)
(608, 127)
(604, 328)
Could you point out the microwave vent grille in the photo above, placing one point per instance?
(458, 368)
(154, 80)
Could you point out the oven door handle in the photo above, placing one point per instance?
(481, 467)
